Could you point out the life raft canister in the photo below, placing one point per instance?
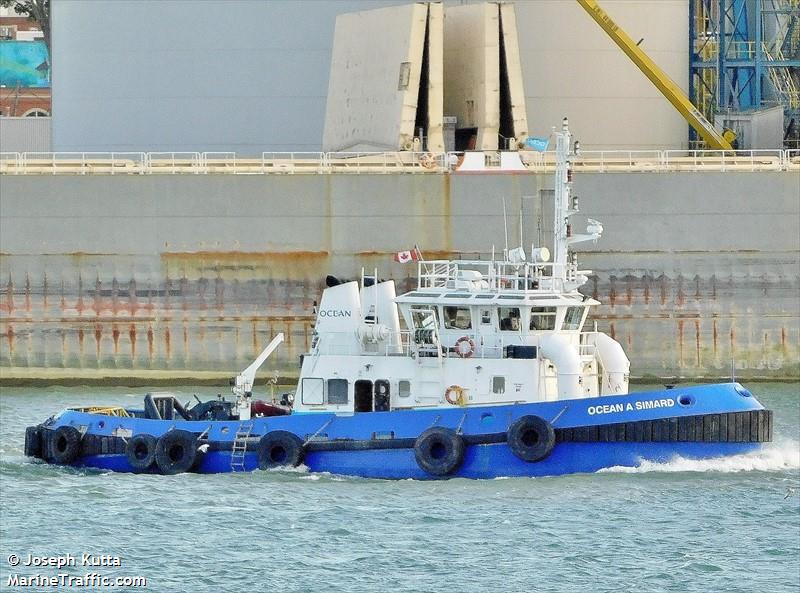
(279, 448)
(261, 408)
(465, 347)
(439, 451)
(65, 444)
(531, 438)
(141, 451)
(176, 452)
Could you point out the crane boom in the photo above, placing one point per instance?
(657, 76)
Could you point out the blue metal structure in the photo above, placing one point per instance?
(743, 55)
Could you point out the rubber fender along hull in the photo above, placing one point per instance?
(546, 438)
(577, 450)
(479, 461)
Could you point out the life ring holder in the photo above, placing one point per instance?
(465, 353)
(455, 395)
(427, 160)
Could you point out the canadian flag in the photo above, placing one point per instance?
(406, 256)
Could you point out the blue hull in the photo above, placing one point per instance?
(480, 461)
(589, 434)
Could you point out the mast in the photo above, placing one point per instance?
(561, 213)
(565, 267)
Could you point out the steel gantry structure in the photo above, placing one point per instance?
(745, 54)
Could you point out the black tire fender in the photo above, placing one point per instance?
(280, 448)
(439, 451)
(176, 452)
(531, 438)
(141, 451)
(65, 444)
(33, 441)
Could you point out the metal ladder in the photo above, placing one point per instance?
(240, 446)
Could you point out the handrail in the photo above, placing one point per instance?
(396, 343)
(601, 161)
(293, 162)
(82, 162)
(174, 162)
(10, 162)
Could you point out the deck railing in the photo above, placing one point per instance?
(494, 276)
(342, 343)
(314, 163)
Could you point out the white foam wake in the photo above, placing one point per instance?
(778, 456)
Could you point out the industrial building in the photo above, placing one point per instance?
(253, 76)
(189, 208)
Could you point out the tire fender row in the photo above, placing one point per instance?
(173, 452)
(753, 426)
(439, 451)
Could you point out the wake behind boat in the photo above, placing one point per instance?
(482, 371)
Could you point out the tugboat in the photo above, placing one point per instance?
(483, 371)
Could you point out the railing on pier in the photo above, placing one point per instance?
(314, 163)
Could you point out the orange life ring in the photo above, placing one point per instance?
(455, 395)
(428, 161)
(469, 350)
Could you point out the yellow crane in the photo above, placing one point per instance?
(659, 78)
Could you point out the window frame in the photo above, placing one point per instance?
(501, 317)
(579, 323)
(329, 391)
(458, 308)
(498, 384)
(542, 312)
(305, 390)
(400, 388)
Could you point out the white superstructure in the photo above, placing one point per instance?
(479, 332)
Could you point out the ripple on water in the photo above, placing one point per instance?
(695, 526)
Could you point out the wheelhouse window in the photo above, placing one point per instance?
(509, 318)
(573, 318)
(486, 317)
(425, 323)
(313, 391)
(423, 319)
(457, 318)
(543, 318)
(337, 391)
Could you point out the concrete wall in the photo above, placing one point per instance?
(472, 70)
(478, 38)
(188, 273)
(372, 103)
(191, 75)
(251, 76)
(572, 68)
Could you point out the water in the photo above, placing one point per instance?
(726, 525)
